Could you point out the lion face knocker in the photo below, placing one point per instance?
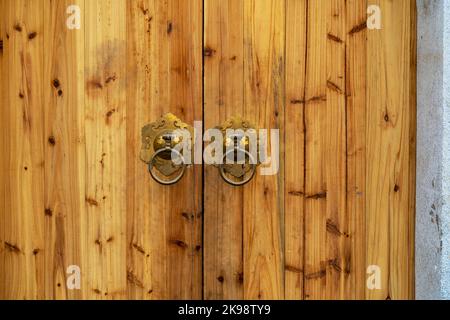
(166, 148)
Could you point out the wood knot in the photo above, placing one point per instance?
(32, 35)
(52, 140)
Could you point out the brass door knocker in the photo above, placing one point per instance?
(161, 144)
(239, 163)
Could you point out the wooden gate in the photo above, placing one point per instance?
(74, 192)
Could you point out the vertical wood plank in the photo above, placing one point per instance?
(337, 269)
(315, 264)
(104, 224)
(356, 147)
(264, 43)
(184, 33)
(296, 35)
(65, 148)
(147, 57)
(411, 249)
(23, 149)
(164, 250)
(389, 76)
(223, 80)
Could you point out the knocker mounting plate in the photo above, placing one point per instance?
(237, 144)
(159, 140)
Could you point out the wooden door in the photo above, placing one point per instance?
(74, 192)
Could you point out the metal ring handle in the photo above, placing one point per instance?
(159, 180)
(222, 169)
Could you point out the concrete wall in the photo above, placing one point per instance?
(433, 150)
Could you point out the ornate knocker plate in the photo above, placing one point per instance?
(160, 148)
(239, 164)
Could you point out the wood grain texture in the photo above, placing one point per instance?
(390, 74)
(356, 146)
(65, 204)
(223, 98)
(73, 190)
(22, 237)
(104, 221)
(163, 36)
(264, 45)
(316, 189)
(296, 38)
(184, 88)
(335, 144)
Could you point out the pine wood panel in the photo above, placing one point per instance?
(296, 38)
(65, 206)
(22, 121)
(356, 146)
(164, 249)
(390, 77)
(73, 190)
(223, 98)
(264, 44)
(315, 263)
(104, 222)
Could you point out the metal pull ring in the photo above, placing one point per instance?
(153, 160)
(236, 133)
(245, 175)
(160, 141)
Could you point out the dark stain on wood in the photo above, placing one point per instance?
(316, 275)
(169, 27)
(332, 86)
(333, 263)
(187, 216)
(396, 188)
(179, 243)
(296, 193)
(208, 52)
(134, 280)
(332, 37)
(56, 84)
(358, 28)
(18, 27)
(109, 115)
(138, 248)
(297, 101)
(32, 35)
(92, 202)
(102, 163)
(94, 84)
(1, 46)
(111, 79)
(36, 251)
(292, 269)
(333, 228)
(48, 212)
(52, 140)
(221, 279)
(21, 96)
(317, 196)
(12, 247)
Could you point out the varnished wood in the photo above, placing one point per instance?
(224, 98)
(73, 190)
